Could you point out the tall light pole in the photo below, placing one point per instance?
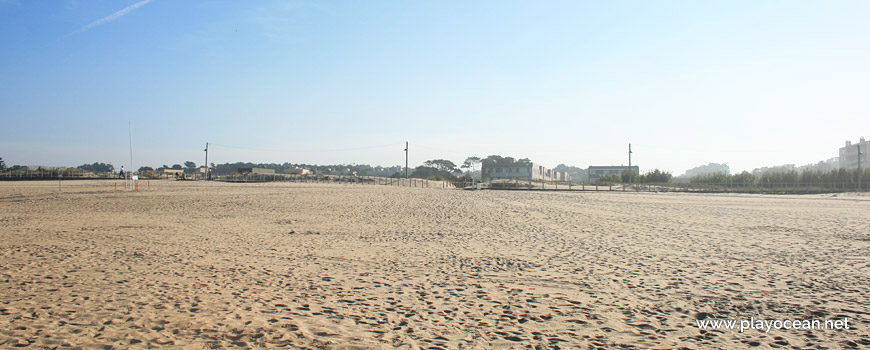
(406, 159)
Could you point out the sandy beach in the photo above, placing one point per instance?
(212, 265)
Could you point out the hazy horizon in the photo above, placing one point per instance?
(744, 83)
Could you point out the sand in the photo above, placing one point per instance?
(214, 265)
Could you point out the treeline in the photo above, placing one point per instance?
(338, 169)
(496, 160)
(651, 177)
(434, 169)
(442, 170)
(807, 177)
(97, 167)
(445, 170)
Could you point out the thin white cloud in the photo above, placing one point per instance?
(115, 15)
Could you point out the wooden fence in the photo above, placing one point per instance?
(771, 188)
(335, 179)
(53, 174)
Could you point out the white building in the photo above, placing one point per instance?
(596, 172)
(849, 155)
(520, 171)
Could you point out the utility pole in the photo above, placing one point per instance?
(406, 159)
(206, 160)
(629, 163)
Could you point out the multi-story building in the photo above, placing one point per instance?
(849, 155)
(519, 171)
(596, 172)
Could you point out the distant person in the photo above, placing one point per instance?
(121, 173)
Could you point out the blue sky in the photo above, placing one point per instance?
(748, 83)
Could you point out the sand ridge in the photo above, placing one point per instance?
(210, 265)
